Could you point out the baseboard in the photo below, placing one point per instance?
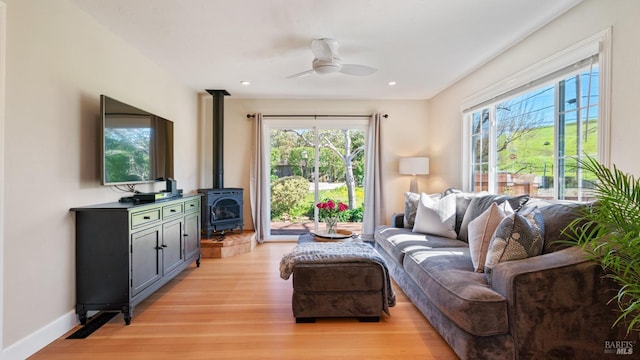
(32, 343)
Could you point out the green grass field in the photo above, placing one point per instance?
(533, 151)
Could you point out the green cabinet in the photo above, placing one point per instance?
(125, 252)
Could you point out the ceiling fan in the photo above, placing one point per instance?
(327, 61)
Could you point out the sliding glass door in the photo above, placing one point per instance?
(313, 161)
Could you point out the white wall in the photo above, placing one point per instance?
(586, 19)
(403, 134)
(59, 61)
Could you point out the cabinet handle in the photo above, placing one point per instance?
(192, 205)
(147, 217)
(185, 235)
(164, 246)
(173, 210)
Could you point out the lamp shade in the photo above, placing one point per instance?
(414, 166)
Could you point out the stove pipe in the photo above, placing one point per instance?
(217, 140)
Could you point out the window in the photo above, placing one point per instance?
(529, 139)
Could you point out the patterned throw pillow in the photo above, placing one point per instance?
(519, 236)
(410, 208)
(436, 217)
(481, 231)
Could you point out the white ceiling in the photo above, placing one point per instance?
(423, 45)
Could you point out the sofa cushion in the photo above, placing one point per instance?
(480, 204)
(481, 230)
(519, 236)
(396, 241)
(447, 278)
(436, 217)
(557, 215)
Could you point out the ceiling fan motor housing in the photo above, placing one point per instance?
(326, 65)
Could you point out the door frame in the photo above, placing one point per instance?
(300, 123)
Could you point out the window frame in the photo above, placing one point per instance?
(541, 72)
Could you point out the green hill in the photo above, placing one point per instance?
(533, 152)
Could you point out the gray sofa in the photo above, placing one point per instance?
(549, 306)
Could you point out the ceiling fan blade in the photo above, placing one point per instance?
(324, 48)
(304, 73)
(357, 70)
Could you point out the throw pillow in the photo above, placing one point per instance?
(436, 217)
(411, 207)
(519, 236)
(479, 204)
(481, 231)
(463, 200)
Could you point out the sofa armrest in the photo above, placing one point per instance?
(397, 220)
(505, 274)
(558, 303)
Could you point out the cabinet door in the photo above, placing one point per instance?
(191, 234)
(172, 253)
(145, 258)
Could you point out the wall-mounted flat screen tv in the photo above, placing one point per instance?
(137, 146)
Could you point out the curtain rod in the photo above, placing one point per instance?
(249, 116)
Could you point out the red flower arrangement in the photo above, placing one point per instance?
(329, 208)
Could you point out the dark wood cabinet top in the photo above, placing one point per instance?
(129, 206)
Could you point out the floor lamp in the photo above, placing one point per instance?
(414, 166)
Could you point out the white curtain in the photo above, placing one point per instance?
(258, 182)
(374, 209)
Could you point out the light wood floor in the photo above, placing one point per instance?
(240, 308)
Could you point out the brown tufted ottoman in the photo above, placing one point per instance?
(341, 287)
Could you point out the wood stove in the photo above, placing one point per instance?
(221, 210)
(221, 207)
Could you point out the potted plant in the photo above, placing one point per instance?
(609, 232)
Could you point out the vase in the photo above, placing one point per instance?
(331, 223)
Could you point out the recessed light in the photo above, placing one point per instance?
(391, 83)
(245, 83)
